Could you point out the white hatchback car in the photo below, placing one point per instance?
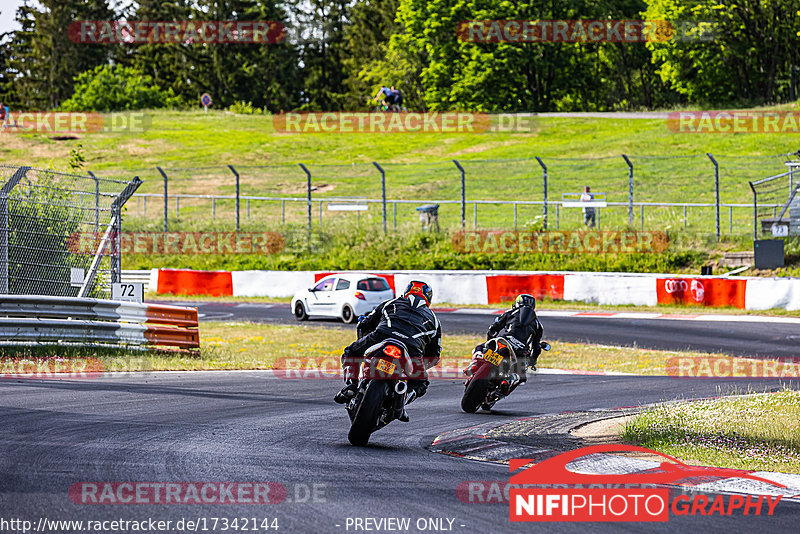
(346, 296)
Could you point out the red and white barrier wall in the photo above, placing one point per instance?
(494, 287)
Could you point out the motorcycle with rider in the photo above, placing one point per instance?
(499, 365)
(386, 367)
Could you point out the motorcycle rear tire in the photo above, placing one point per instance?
(476, 390)
(366, 417)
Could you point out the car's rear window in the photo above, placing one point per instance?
(342, 284)
(373, 284)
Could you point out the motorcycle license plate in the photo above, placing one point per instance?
(493, 357)
(386, 367)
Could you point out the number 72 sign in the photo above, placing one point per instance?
(127, 291)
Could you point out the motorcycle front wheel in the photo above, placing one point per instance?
(369, 410)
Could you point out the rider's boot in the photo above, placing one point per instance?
(408, 400)
(507, 386)
(347, 392)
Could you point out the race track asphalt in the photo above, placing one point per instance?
(250, 426)
(740, 338)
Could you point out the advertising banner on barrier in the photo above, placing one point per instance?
(716, 292)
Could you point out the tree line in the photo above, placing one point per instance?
(338, 52)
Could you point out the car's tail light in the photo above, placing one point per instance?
(360, 295)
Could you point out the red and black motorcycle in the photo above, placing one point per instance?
(382, 390)
(491, 375)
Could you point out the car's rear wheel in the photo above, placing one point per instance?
(300, 311)
(348, 316)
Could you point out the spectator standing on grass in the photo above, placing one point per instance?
(588, 211)
(3, 115)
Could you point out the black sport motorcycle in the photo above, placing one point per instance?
(382, 390)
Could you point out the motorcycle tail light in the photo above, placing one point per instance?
(392, 351)
(360, 295)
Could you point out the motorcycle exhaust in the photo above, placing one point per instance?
(400, 387)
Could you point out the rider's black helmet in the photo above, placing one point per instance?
(525, 300)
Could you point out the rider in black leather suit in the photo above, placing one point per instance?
(522, 329)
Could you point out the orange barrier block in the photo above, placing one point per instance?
(186, 338)
(188, 282)
(505, 287)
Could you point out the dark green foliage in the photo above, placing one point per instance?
(115, 88)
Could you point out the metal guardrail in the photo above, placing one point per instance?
(44, 319)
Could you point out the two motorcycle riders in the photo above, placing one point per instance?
(410, 319)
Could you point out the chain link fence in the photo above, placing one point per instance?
(699, 193)
(59, 232)
(776, 204)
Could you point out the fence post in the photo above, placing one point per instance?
(308, 189)
(475, 220)
(642, 217)
(515, 216)
(213, 207)
(283, 210)
(12, 182)
(755, 212)
(630, 190)
(166, 198)
(383, 194)
(464, 197)
(544, 180)
(395, 215)
(730, 219)
(116, 214)
(237, 195)
(716, 189)
(558, 206)
(96, 202)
